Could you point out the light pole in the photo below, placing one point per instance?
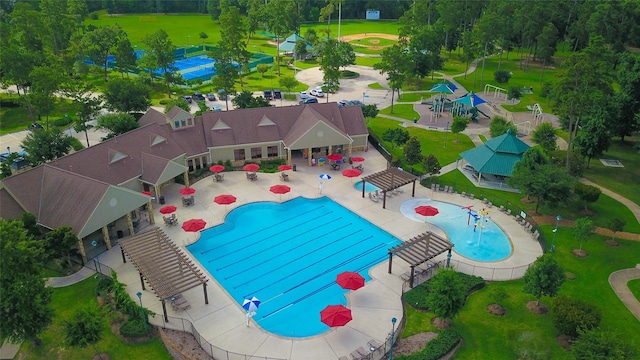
(455, 176)
(446, 132)
(95, 249)
(555, 231)
(144, 318)
(393, 333)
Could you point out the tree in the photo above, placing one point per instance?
(446, 294)
(59, 242)
(85, 104)
(599, 343)
(233, 31)
(99, 42)
(117, 124)
(502, 76)
(288, 82)
(203, 36)
(431, 165)
(396, 136)
(84, 328)
(573, 315)
(300, 49)
(626, 114)
(459, 125)
(594, 137)
(124, 95)
(524, 171)
(582, 230)
(547, 42)
(588, 194)
(346, 54)
(179, 102)
(125, 56)
(499, 126)
(226, 73)
(412, 151)
(370, 111)
(246, 100)
(543, 278)
(160, 51)
(24, 299)
(393, 63)
(262, 68)
(616, 225)
(330, 62)
(514, 93)
(280, 20)
(45, 81)
(545, 136)
(46, 145)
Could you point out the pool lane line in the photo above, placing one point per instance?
(268, 227)
(316, 237)
(317, 290)
(299, 257)
(261, 239)
(338, 265)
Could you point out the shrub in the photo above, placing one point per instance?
(417, 297)
(163, 102)
(572, 315)
(76, 144)
(502, 76)
(62, 122)
(134, 329)
(104, 286)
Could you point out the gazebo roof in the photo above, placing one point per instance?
(497, 156)
(289, 43)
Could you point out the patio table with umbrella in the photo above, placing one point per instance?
(225, 200)
(284, 176)
(321, 185)
(280, 189)
(165, 210)
(193, 225)
(352, 173)
(357, 159)
(335, 315)
(251, 306)
(427, 210)
(187, 191)
(216, 168)
(350, 280)
(251, 171)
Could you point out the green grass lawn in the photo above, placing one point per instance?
(367, 61)
(373, 41)
(365, 50)
(413, 97)
(634, 286)
(376, 86)
(453, 63)
(17, 118)
(64, 303)
(404, 111)
(485, 334)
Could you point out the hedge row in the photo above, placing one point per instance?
(436, 348)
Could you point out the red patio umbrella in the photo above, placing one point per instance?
(284, 167)
(216, 168)
(224, 200)
(350, 280)
(167, 209)
(148, 193)
(335, 315)
(351, 173)
(335, 157)
(187, 191)
(426, 210)
(251, 167)
(280, 189)
(193, 225)
(357, 159)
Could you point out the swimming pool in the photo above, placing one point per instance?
(288, 255)
(482, 242)
(368, 187)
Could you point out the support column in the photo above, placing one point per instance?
(164, 310)
(130, 223)
(83, 253)
(310, 154)
(105, 235)
(390, 262)
(350, 150)
(186, 177)
(152, 221)
(448, 258)
(142, 281)
(289, 157)
(413, 270)
(206, 296)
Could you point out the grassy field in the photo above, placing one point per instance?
(17, 118)
(404, 111)
(634, 286)
(510, 332)
(65, 302)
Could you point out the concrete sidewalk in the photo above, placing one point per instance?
(619, 280)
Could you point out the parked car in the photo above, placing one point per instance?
(188, 98)
(268, 95)
(211, 97)
(35, 126)
(342, 103)
(309, 101)
(356, 102)
(317, 92)
(277, 94)
(303, 95)
(216, 108)
(198, 96)
(222, 95)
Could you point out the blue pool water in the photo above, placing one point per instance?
(288, 255)
(368, 187)
(483, 242)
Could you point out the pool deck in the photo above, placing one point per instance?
(223, 323)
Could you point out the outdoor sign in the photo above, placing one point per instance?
(373, 14)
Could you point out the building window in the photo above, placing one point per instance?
(189, 121)
(238, 155)
(256, 153)
(184, 123)
(272, 151)
(176, 124)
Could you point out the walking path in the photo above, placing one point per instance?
(619, 280)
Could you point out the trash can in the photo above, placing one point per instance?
(294, 167)
(321, 162)
(120, 234)
(162, 200)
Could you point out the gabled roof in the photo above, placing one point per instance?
(156, 170)
(497, 156)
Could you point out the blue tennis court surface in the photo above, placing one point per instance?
(288, 255)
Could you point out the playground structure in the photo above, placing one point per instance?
(536, 111)
(480, 220)
(524, 127)
(497, 92)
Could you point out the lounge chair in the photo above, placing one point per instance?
(359, 167)
(446, 188)
(374, 344)
(471, 196)
(169, 221)
(219, 177)
(284, 177)
(463, 194)
(363, 353)
(373, 197)
(343, 358)
(355, 355)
